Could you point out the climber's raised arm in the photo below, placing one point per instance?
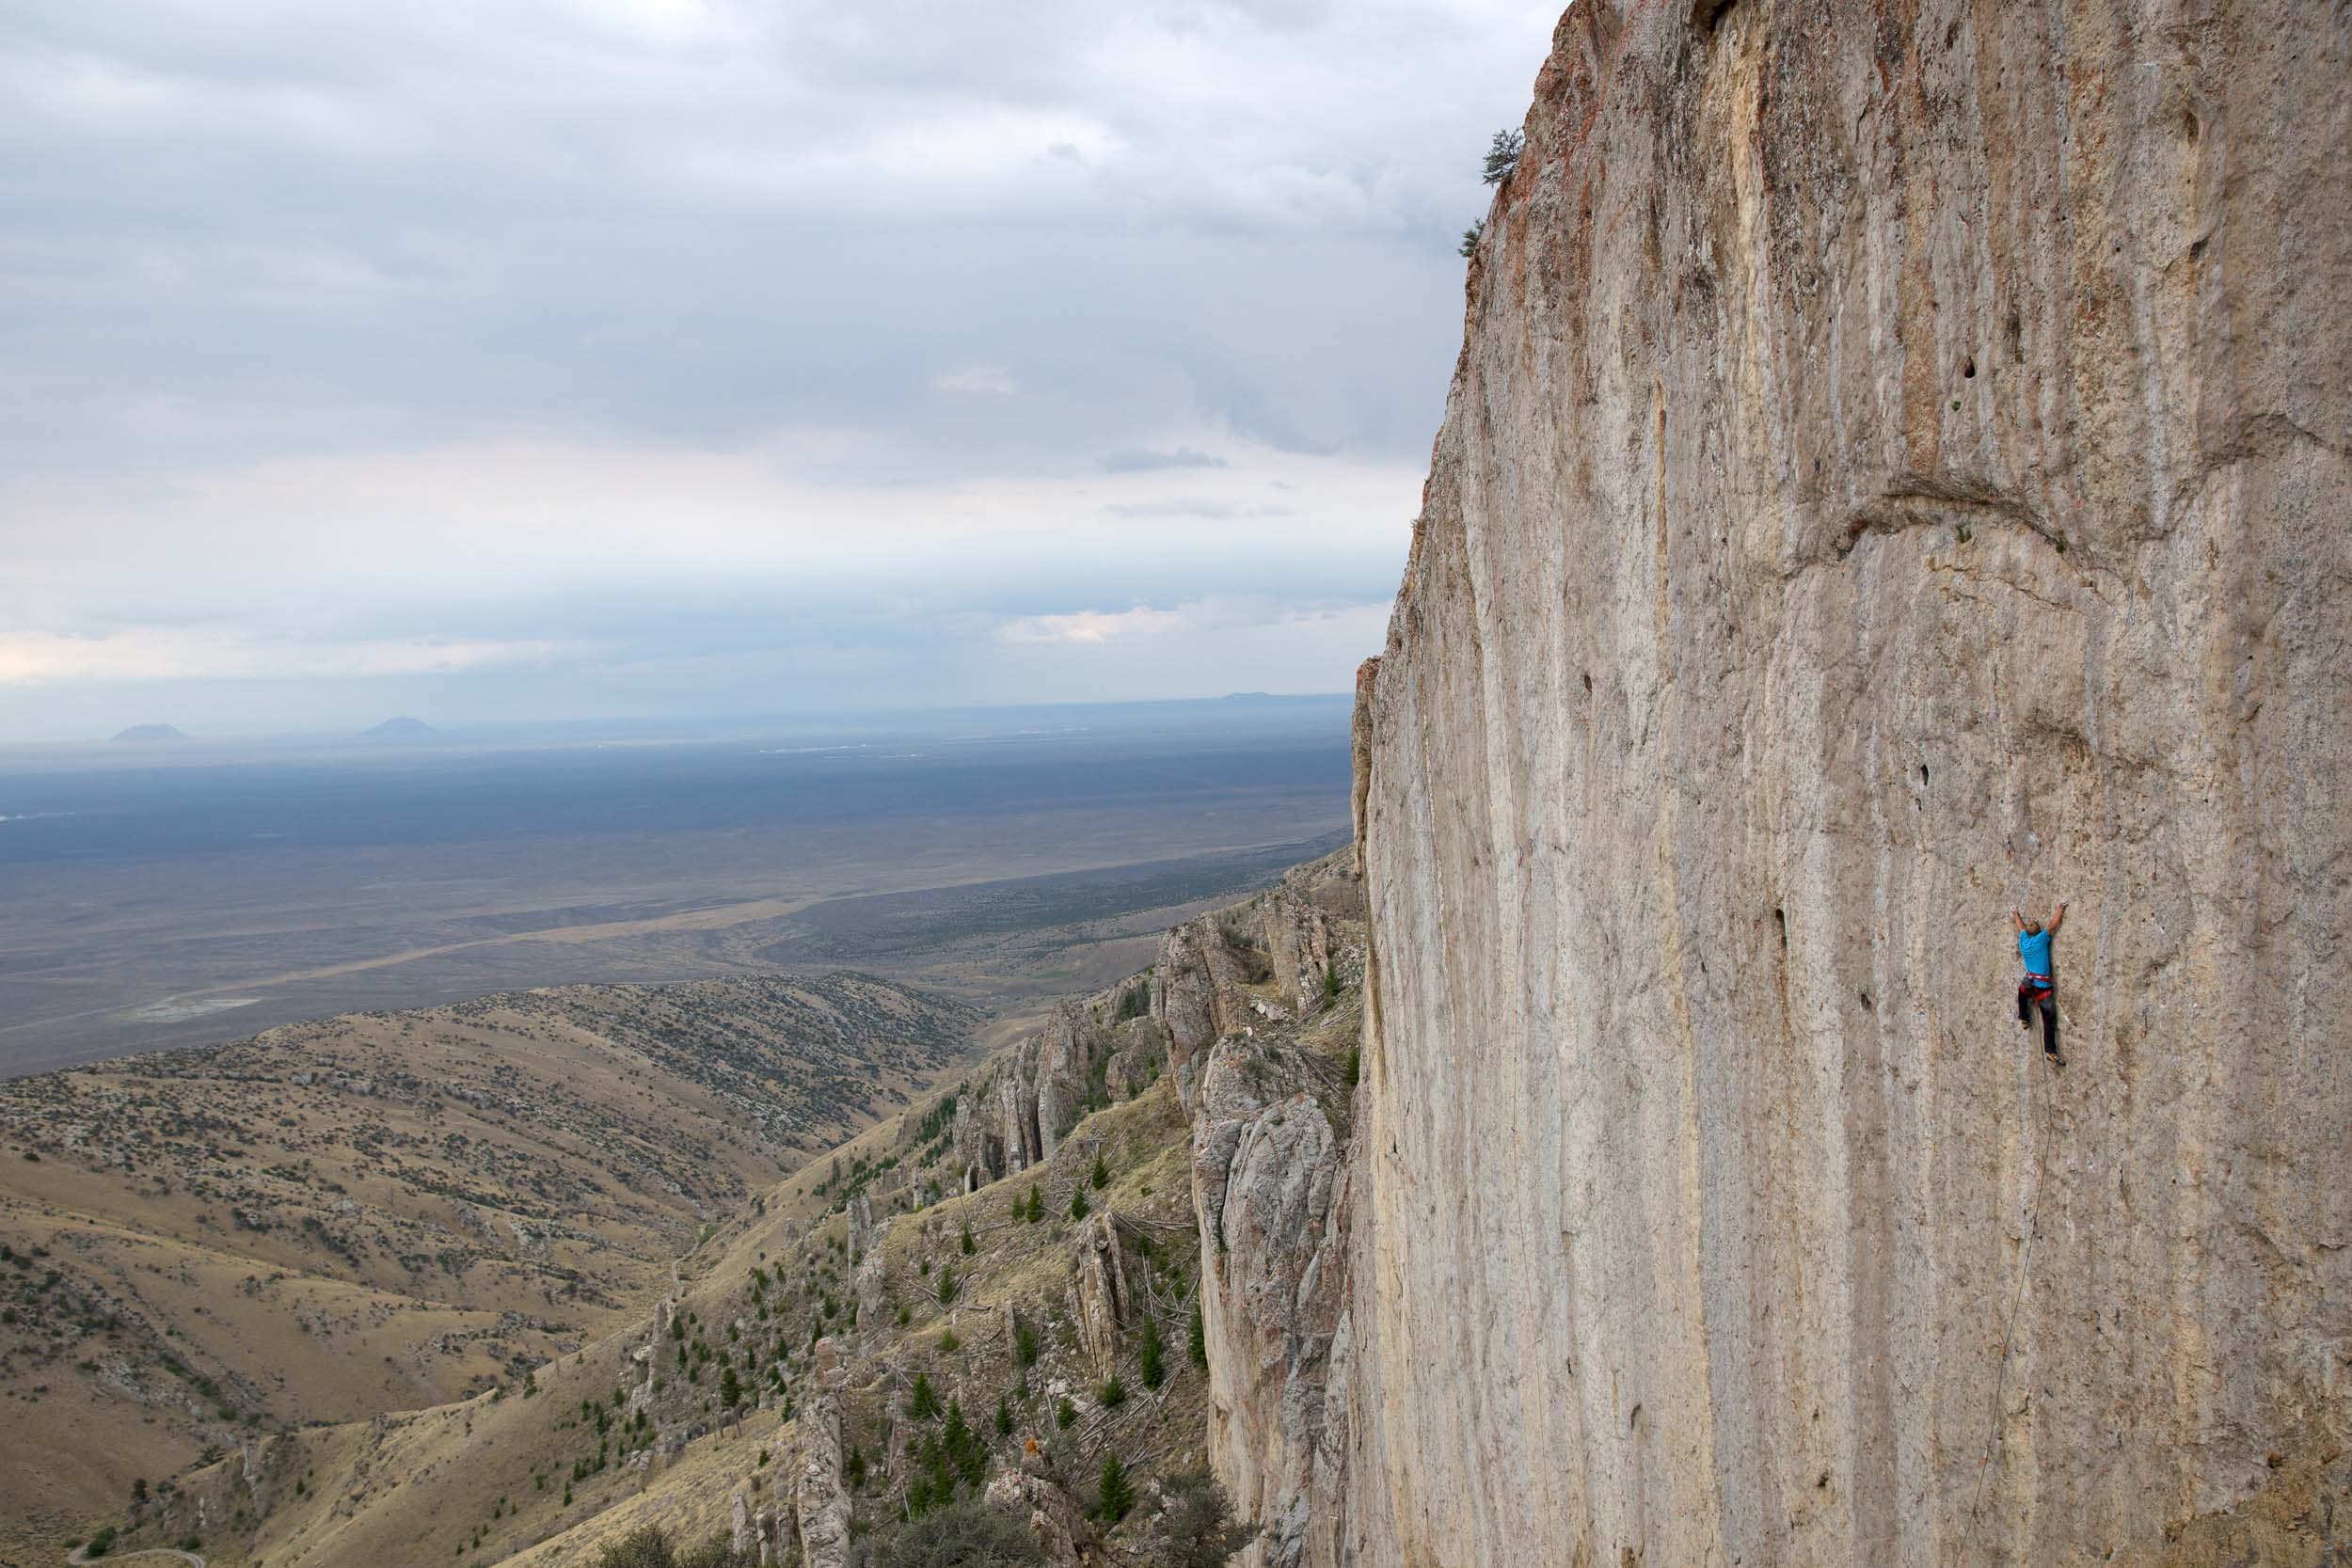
(2019, 918)
(2058, 916)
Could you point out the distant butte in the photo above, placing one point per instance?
(400, 729)
(151, 731)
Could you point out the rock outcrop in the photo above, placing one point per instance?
(1270, 1190)
(1897, 470)
(1205, 984)
(1100, 1297)
(1034, 1495)
(863, 1231)
(821, 1500)
(1196, 992)
(1016, 1116)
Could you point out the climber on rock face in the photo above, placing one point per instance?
(2040, 985)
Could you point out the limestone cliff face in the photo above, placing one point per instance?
(1897, 470)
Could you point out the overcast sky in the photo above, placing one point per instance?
(489, 360)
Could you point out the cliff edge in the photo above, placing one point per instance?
(1897, 470)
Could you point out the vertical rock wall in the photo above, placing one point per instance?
(1897, 470)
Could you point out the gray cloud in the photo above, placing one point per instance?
(1222, 510)
(1154, 461)
(333, 328)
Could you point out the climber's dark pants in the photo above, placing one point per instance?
(2025, 1000)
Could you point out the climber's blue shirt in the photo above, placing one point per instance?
(2035, 951)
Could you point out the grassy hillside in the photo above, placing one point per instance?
(383, 1211)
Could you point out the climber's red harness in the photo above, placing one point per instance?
(2035, 988)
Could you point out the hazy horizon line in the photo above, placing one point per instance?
(461, 728)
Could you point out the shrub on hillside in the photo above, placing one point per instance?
(1195, 1527)
(649, 1546)
(960, 1535)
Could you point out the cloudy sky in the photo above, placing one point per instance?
(491, 360)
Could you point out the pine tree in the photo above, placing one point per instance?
(1503, 155)
(1024, 1344)
(1154, 1368)
(1035, 1210)
(1078, 1203)
(924, 1403)
(968, 1247)
(963, 1450)
(947, 1284)
(1101, 1172)
(730, 1390)
(1117, 1493)
(1114, 1393)
(1003, 1418)
(1197, 1344)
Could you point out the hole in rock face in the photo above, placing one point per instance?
(1923, 772)
(1867, 1005)
(1780, 922)
(1968, 371)
(1588, 685)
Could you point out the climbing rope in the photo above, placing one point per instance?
(2017, 1303)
